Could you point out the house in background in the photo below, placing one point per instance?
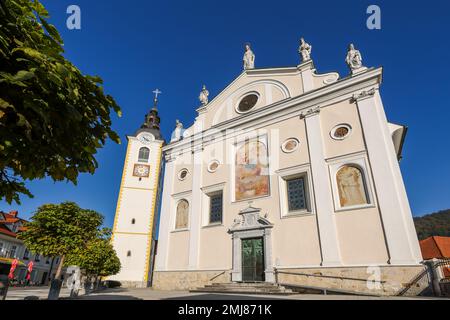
(11, 247)
(436, 252)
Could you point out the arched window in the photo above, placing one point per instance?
(144, 153)
(182, 217)
(351, 186)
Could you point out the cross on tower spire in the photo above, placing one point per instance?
(155, 100)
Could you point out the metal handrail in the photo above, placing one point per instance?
(217, 275)
(322, 276)
(414, 281)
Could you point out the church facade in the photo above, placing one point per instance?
(287, 176)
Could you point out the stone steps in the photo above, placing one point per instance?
(245, 288)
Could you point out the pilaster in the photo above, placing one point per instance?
(322, 190)
(401, 237)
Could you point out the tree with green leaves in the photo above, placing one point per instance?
(52, 117)
(98, 258)
(62, 230)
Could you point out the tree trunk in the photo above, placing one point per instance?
(59, 270)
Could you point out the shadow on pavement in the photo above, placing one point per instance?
(221, 297)
(106, 297)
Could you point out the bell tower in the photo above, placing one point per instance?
(137, 208)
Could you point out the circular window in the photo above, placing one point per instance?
(213, 166)
(341, 131)
(290, 145)
(183, 174)
(247, 102)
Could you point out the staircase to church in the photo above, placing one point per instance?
(245, 288)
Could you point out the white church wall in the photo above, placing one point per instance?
(337, 114)
(270, 86)
(178, 250)
(361, 238)
(296, 242)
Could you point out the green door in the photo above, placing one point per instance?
(252, 259)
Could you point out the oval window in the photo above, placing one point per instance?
(290, 145)
(213, 166)
(182, 174)
(248, 102)
(341, 131)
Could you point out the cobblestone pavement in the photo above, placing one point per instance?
(149, 294)
(32, 293)
(40, 293)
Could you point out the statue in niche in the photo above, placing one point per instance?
(305, 50)
(203, 97)
(249, 58)
(354, 58)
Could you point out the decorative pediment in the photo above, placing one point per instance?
(250, 219)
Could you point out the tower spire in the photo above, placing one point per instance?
(152, 120)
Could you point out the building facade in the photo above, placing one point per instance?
(134, 227)
(286, 174)
(11, 247)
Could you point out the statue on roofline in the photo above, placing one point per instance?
(204, 96)
(249, 58)
(305, 50)
(353, 59)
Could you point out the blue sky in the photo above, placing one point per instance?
(177, 46)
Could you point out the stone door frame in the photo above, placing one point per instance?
(251, 225)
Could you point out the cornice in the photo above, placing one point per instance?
(345, 88)
(365, 94)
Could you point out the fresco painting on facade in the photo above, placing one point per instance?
(182, 218)
(351, 186)
(252, 171)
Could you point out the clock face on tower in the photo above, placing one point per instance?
(145, 138)
(141, 170)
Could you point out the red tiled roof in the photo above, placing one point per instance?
(7, 232)
(435, 247)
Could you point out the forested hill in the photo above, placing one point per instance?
(434, 224)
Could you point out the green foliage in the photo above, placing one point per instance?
(52, 117)
(61, 229)
(98, 258)
(434, 224)
(72, 232)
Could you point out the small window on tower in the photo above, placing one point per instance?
(144, 154)
(133, 221)
(129, 253)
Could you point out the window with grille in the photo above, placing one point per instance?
(296, 194)
(216, 206)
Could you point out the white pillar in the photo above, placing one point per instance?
(196, 209)
(401, 237)
(322, 191)
(165, 219)
(306, 73)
